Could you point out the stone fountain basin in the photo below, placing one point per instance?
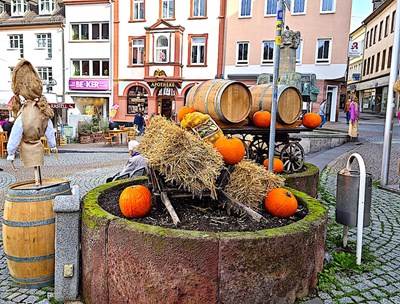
(129, 262)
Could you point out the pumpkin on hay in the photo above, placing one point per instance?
(262, 119)
(135, 201)
(232, 149)
(277, 166)
(312, 120)
(280, 202)
(183, 111)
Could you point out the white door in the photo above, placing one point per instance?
(331, 102)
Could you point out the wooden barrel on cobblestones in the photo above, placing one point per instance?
(29, 231)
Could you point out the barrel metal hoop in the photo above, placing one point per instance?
(42, 191)
(34, 198)
(260, 102)
(29, 224)
(208, 92)
(29, 259)
(34, 280)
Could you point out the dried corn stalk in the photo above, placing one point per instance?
(249, 183)
(181, 157)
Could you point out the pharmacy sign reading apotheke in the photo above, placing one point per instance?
(162, 84)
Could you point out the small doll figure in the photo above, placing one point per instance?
(33, 119)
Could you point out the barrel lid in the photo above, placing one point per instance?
(30, 184)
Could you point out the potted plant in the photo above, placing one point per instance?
(84, 131)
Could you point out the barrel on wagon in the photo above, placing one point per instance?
(289, 102)
(227, 101)
(29, 231)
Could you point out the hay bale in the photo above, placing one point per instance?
(181, 157)
(249, 183)
(396, 86)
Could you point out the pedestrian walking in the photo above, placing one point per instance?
(322, 112)
(354, 117)
(139, 122)
(346, 110)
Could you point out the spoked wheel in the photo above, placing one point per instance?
(292, 156)
(259, 149)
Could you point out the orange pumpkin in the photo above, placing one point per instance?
(135, 201)
(183, 111)
(262, 119)
(280, 202)
(312, 120)
(232, 149)
(277, 166)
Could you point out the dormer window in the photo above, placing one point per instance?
(18, 7)
(47, 7)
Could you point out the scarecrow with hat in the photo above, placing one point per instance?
(33, 119)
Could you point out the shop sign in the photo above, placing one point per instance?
(89, 84)
(62, 105)
(356, 76)
(162, 84)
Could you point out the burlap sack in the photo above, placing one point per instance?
(26, 81)
(396, 87)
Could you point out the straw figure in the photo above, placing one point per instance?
(33, 119)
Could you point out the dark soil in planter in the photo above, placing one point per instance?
(199, 214)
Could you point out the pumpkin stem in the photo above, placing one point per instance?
(288, 194)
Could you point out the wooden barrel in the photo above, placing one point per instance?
(29, 231)
(224, 100)
(289, 102)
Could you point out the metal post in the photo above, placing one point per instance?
(277, 55)
(394, 70)
(361, 201)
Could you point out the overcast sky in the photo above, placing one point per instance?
(361, 9)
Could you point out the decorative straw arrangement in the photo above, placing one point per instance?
(181, 157)
(396, 86)
(249, 183)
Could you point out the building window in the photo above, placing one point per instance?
(245, 8)
(299, 6)
(18, 7)
(270, 7)
(1, 7)
(389, 58)
(137, 52)
(383, 59)
(162, 49)
(365, 67)
(299, 52)
(90, 31)
(17, 43)
(198, 8)
(44, 42)
(138, 10)
(168, 9)
(380, 30)
(46, 75)
(393, 21)
(372, 64)
(375, 30)
(368, 64)
(323, 50)
(268, 52)
(387, 26)
(47, 7)
(242, 51)
(371, 36)
(366, 39)
(378, 59)
(198, 49)
(93, 67)
(327, 6)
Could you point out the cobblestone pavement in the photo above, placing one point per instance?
(381, 238)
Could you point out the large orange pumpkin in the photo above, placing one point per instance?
(312, 120)
(280, 202)
(262, 119)
(183, 111)
(231, 149)
(277, 166)
(135, 201)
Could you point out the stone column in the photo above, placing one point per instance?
(290, 42)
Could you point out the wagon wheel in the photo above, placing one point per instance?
(259, 150)
(292, 156)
